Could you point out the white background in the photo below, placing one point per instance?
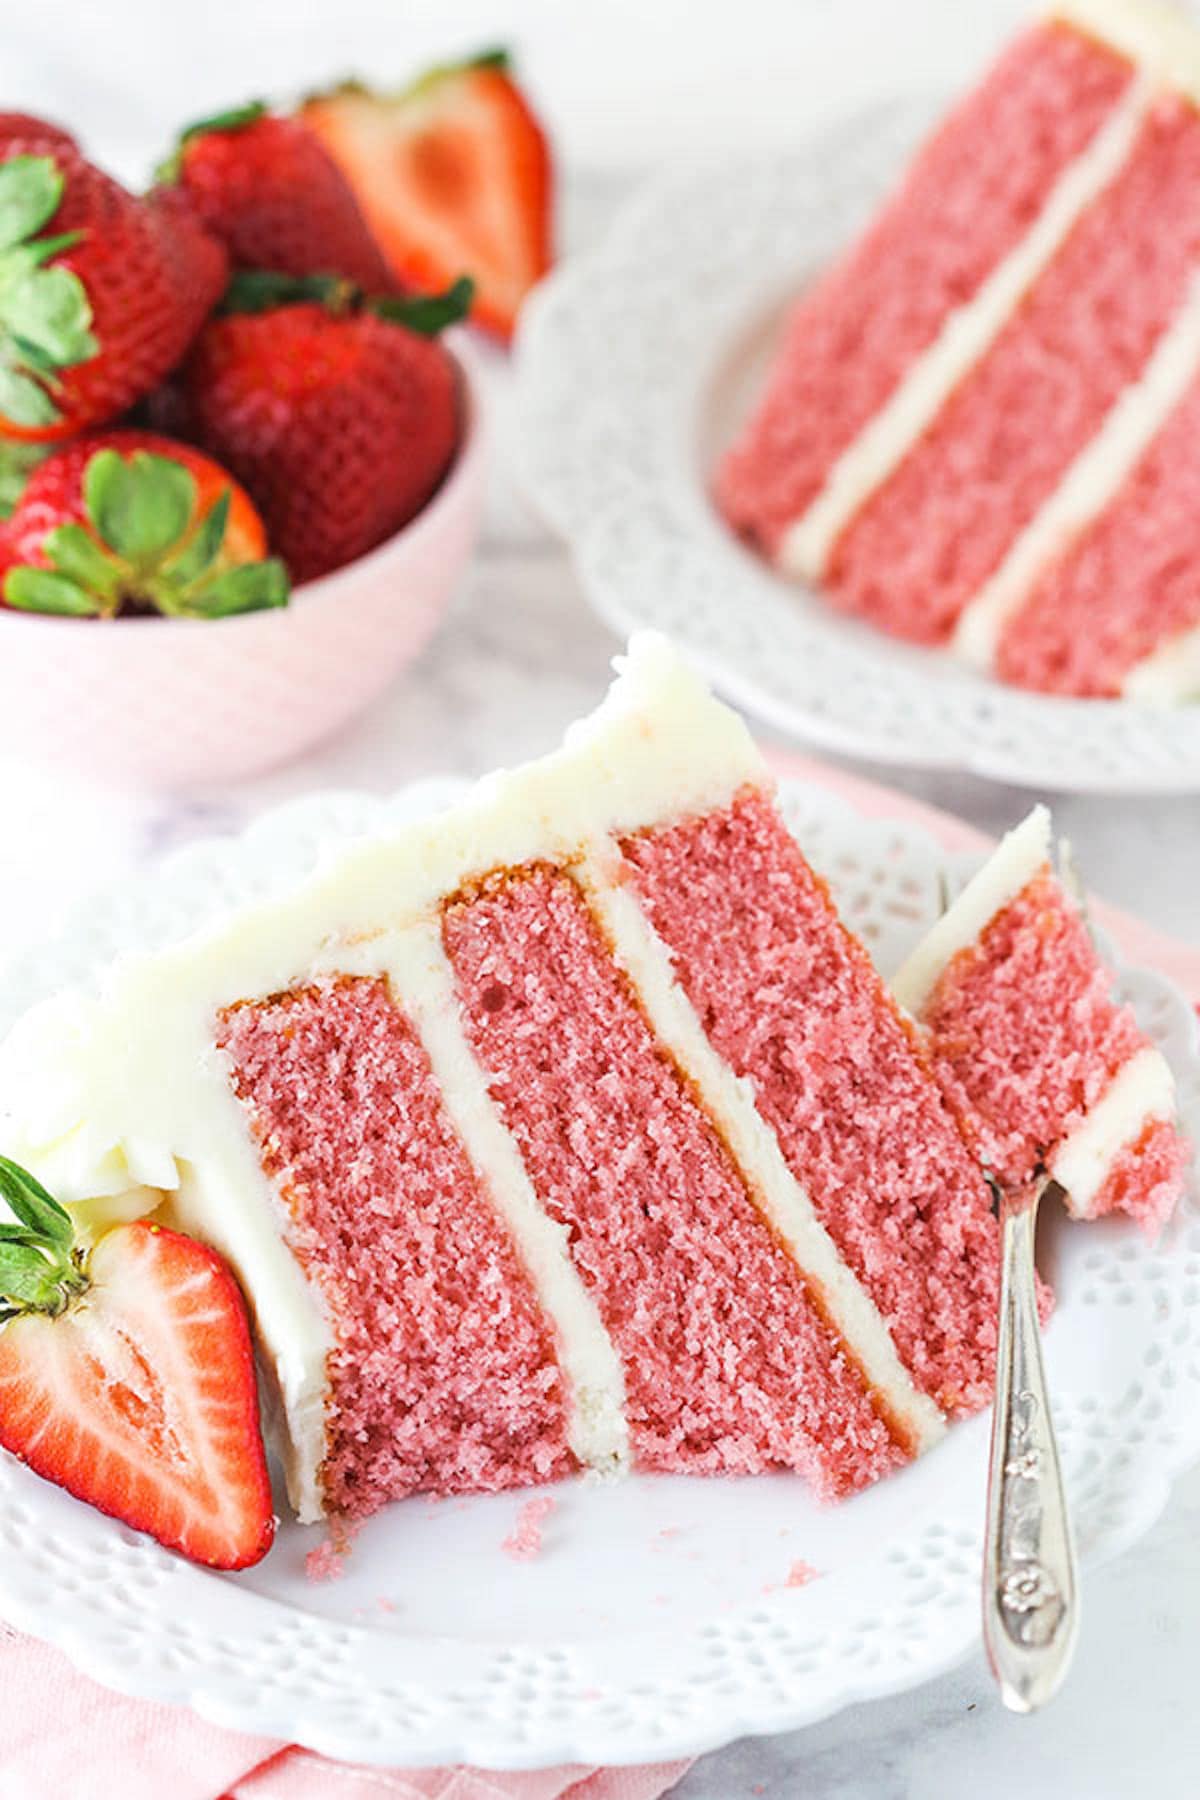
(626, 86)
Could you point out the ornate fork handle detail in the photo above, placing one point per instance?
(1030, 1605)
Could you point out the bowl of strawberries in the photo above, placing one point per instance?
(242, 455)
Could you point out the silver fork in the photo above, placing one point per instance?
(1030, 1582)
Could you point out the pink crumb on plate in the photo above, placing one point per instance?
(800, 1574)
(525, 1540)
(325, 1563)
(328, 1561)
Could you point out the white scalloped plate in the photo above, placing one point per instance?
(635, 365)
(657, 1620)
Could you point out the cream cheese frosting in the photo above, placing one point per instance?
(1157, 36)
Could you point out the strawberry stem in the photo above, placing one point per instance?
(262, 290)
(42, 1269)
(427, 314)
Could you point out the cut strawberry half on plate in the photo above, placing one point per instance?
(127, 1377)
(453, 176)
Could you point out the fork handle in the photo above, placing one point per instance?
(1030, 1603)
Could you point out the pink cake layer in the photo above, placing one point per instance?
(792, 1002)
(968, 198)
(729, 1364)
(1026, 1038)
(1146, 1177)
(1130, 582)
(443, 1373)
(931, 535)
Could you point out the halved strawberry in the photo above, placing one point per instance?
(127, 1377)
(453, 176)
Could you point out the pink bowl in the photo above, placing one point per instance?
(169, 703)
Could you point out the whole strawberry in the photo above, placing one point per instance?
(269, 189)
(340, 415)
(123, 522)
(100, 292)
(27, 125)
(127, 1377)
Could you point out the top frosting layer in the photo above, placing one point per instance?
(1158, 36)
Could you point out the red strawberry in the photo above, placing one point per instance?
(269, 189)
(340, 415)
(27, 125)
(100, 292)
(129, 522)
(452, 174)
(127, 1377)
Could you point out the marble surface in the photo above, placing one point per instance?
(520, 655)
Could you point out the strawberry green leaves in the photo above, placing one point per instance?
(427, 314)
(140, 506)
(45, 314)
(30, 191)
(145, 546)
(262, 290)
(40, 1268)
(18, 460)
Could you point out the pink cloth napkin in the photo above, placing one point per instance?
(62, 1735)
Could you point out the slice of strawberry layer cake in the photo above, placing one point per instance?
(979, 429)
(1045, 1068)
(568, 1128)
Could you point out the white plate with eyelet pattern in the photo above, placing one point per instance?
(662, 1617)
(635, 365)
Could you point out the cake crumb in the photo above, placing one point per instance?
(800, 1574)
(385, 1605)
(328, 1561)
(325, 1563)
(525, 1540)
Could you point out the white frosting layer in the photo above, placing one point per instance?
(1090, 484)
(416, 968)
(1171, 673)
(966, 334)
(1014, 862)
(729, 1102)
(1160, 37)
(1140, 1092)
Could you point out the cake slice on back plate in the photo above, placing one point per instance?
(980, 427)
(566, 1128)
(1044, 1067)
